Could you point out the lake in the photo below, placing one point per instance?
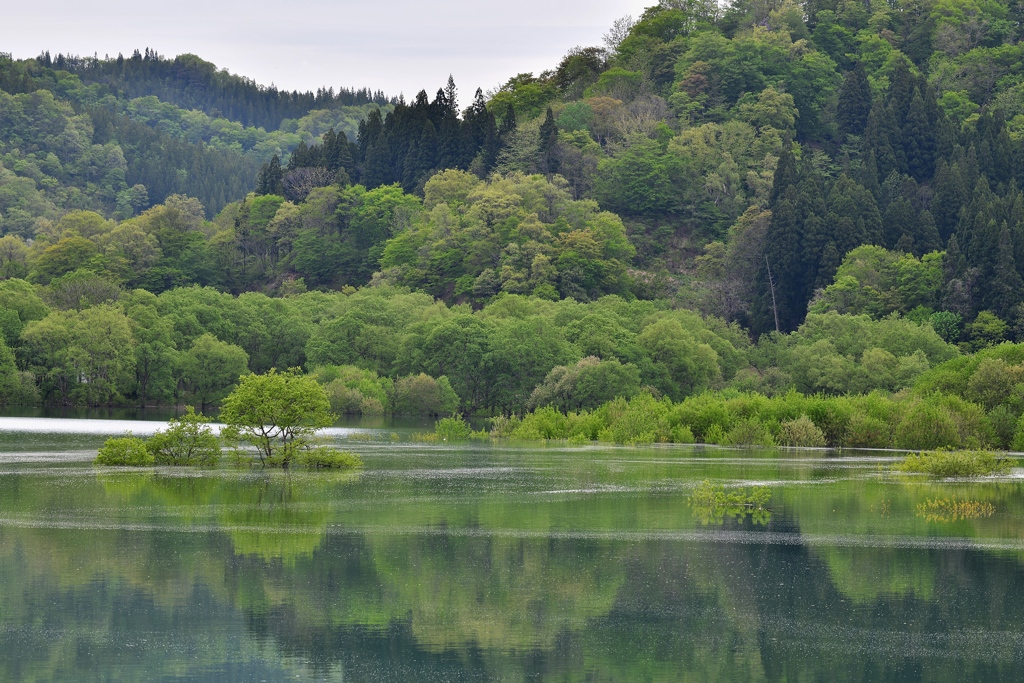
(499, 561)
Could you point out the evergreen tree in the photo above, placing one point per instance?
(784, 252)
(547, 152)
(269, 179)
(919, 140)
(1006, 288)
(854, 102)
(949, 196)
(900, 220)
(785, 174)
(508, 123)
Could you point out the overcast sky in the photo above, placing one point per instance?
(393, 45)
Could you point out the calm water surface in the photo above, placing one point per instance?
(500, 562)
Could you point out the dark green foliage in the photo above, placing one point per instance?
(854, 101)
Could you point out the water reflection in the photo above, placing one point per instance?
(492, 562)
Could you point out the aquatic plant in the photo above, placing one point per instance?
(127, 450)
(322, 458)
(950, 463)
(711, 503)
(952, 510)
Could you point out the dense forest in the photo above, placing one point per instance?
(825, 197)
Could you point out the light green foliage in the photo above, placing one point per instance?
(321, 458)
(943, 421)
(682, 363)
(423, 395)
(210, 369)
(278, 413)
(749, 419)
(712, 504)
(748, 432)
(986, 330)
(188, 440)
(949, 463)
(513, 234)
(354, 391)
(82, 357)
(125, 451)
(20, 296)
(452, 429)
(587, 384)
(840, 354)
(877, 282)
(16, 388)
(801, 432)
(526, 94)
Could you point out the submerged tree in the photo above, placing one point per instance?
(278, 413)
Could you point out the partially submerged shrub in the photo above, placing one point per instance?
(452, 429)
(868, 432)
(749, 432)
(188, 440)
(949, 463)
(127, 451)
(324, 458)
(801, 432)
(713, 503)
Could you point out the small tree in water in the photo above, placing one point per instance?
(188, 440)
(278, 413)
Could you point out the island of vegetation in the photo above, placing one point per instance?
(749, 224)
(276, 415)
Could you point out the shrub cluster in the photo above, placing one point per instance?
(732, 418)
(188, 440)
(946, 463)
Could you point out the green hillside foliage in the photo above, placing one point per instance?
(821, 197)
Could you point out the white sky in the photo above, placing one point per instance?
(395, 45)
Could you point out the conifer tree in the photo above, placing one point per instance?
(919, 140)
(784, 261)
(785, 174)
(508, 123)
(1005, 290)
(269, 179)
(547, 151)
(854, 102)
(949, 195)
(926, 237)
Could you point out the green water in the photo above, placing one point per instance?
(502, 562)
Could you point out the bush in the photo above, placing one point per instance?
(323, 458)
(868, 432)
(682, 434)
(715, 435)
(188, 440)
(801, 432)
(749, 432)
(927, 427)
(126, 451)
(1004, 426)
(947, 463)
(644, 420)
(712, 504)
(452, 429)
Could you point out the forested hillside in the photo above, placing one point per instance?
(650, 211)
